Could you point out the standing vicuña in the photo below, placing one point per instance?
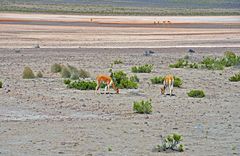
(107, 80)
(168, 83)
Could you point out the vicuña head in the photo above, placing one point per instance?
(107, 80)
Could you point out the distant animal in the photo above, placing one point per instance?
(168, 83)
(107, 80)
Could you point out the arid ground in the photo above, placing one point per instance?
(43, 117)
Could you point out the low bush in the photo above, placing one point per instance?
(212, 63)
(134, 78)
(118, 62)
(159, 80)
(65, 72)
(81, 85)
(171, 143)
(73, 73)
(142, 69)
(196, 94)
(193, 65)
(177, 82)
(122, 81)
(181, 63)
(28, 73)
(84, 74)
(39, 74)
(67, 81)
(229, 59)
(1, 84)
(56, 68)
(142, 107)
(235, 78)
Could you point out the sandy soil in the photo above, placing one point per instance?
(43, 117)
(72, 31)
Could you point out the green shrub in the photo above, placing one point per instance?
(142, 107)
(39, 74)
(171, 143)
(81, 85)
(196, 94)
(28, 73)
(159, 80)
(67, 81)
(230, 59)
(177, 82)
(56, 68)
(212, 63)
(1, 84)
(142, 69)
(127, 84)
(193, 65)
(134, 78)
(181, 63)
(122, 81)
(65, 72)
(118, 62)
(235, 78)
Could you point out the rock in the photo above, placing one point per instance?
(17, 51)
(191, 51)
(37, 46)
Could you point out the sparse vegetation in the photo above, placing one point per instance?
(177, 82)
(118, 62)
(147, 68)
(229, 59)
(81, 85)
(193, 65)
(159, 80)
(121, 80)
(123, 7)
(1, 84)
(235, 78)
(67, 81)
(181, 63)
(134, 78)
(39, 74)
(56, 68)
(28, 73)
(109, 149)
(73, 73)
(143, 107)
(171, 143)
(196, 94)
(83, 73)
(65, 72)
(212, 63)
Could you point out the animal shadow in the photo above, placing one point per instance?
(171, 95)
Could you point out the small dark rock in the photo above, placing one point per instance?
(191, 51)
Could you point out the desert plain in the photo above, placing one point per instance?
(44, 117)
